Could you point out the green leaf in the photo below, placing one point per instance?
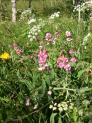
(59, 120)
(75, 116)
(83, 90)
(27, 83)
(80, 73)
(52, 117)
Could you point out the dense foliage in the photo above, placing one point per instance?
(46, 69)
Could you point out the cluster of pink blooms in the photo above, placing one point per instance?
(17, 49)
(50, 38)
(62, 61)
(73, 60)
(42, 59)
(71, 51)
(65, 63)
(68, 35)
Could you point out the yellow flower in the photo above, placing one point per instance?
(5, 56)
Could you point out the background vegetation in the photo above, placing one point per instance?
(30, 93)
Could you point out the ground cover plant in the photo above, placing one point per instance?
(46, 69)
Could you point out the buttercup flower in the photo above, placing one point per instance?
(5, 56)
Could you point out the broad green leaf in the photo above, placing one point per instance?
(59, 120)
(52, 117)
(80, 73)
(83, 90)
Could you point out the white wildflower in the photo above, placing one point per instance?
(31, 21)
(49, 92)
(51, 106)
(60, 109)
(54, 108)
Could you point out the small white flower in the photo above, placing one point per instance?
(31, 21)
(57, 15)
(58, 12)
(80, 112)
(51, 106)
(40, 47)
(54, 108)
(55, 104)
(34, 37)
(49, 92)
(27, 102)
(65, 108)
(69, 39)
(36, 33)
(29, 36)
(39, 30)
(31, 39)
(35, 107)
(60, 109)
(54, 15)
(59, 105)
(70, 107)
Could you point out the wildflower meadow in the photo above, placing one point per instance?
(46, 64)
